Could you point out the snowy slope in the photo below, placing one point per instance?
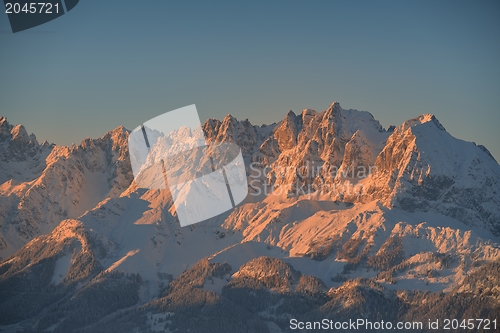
(423, 168)
(136, 235)
(22, 158)
(432, 196)
(56, 183)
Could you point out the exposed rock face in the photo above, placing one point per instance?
(287, 131)
(345, 154)
(423, 168)
(417, 166)
(96, 252)
(49, 183)
(22, 158)
(247, 136)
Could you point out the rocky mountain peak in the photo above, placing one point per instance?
(66, 180)
(19, 133)
(119, 133)
(228, 125)
(15, 133)
(426, 118)
(119, 141)
(116, 140)
(308, 115)
(334, 108)
(104, 248)
(17, 146)
(4, 128)
(424, 168)
(419, 166)
(287, 130)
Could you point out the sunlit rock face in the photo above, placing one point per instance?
(356, 218)
(49, 183)
(416, 166)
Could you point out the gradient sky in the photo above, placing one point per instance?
(111, 63)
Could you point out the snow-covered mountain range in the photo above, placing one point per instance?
(336, 202)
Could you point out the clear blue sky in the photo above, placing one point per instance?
(110, 63)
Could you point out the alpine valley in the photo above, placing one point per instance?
(344, 220)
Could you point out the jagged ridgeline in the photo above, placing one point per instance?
(344, 219)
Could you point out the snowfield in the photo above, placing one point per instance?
(427, 218)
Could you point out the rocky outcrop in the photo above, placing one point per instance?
(49, 183)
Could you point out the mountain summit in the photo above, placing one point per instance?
(417, 166)
(342, 217)
(45, 184)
